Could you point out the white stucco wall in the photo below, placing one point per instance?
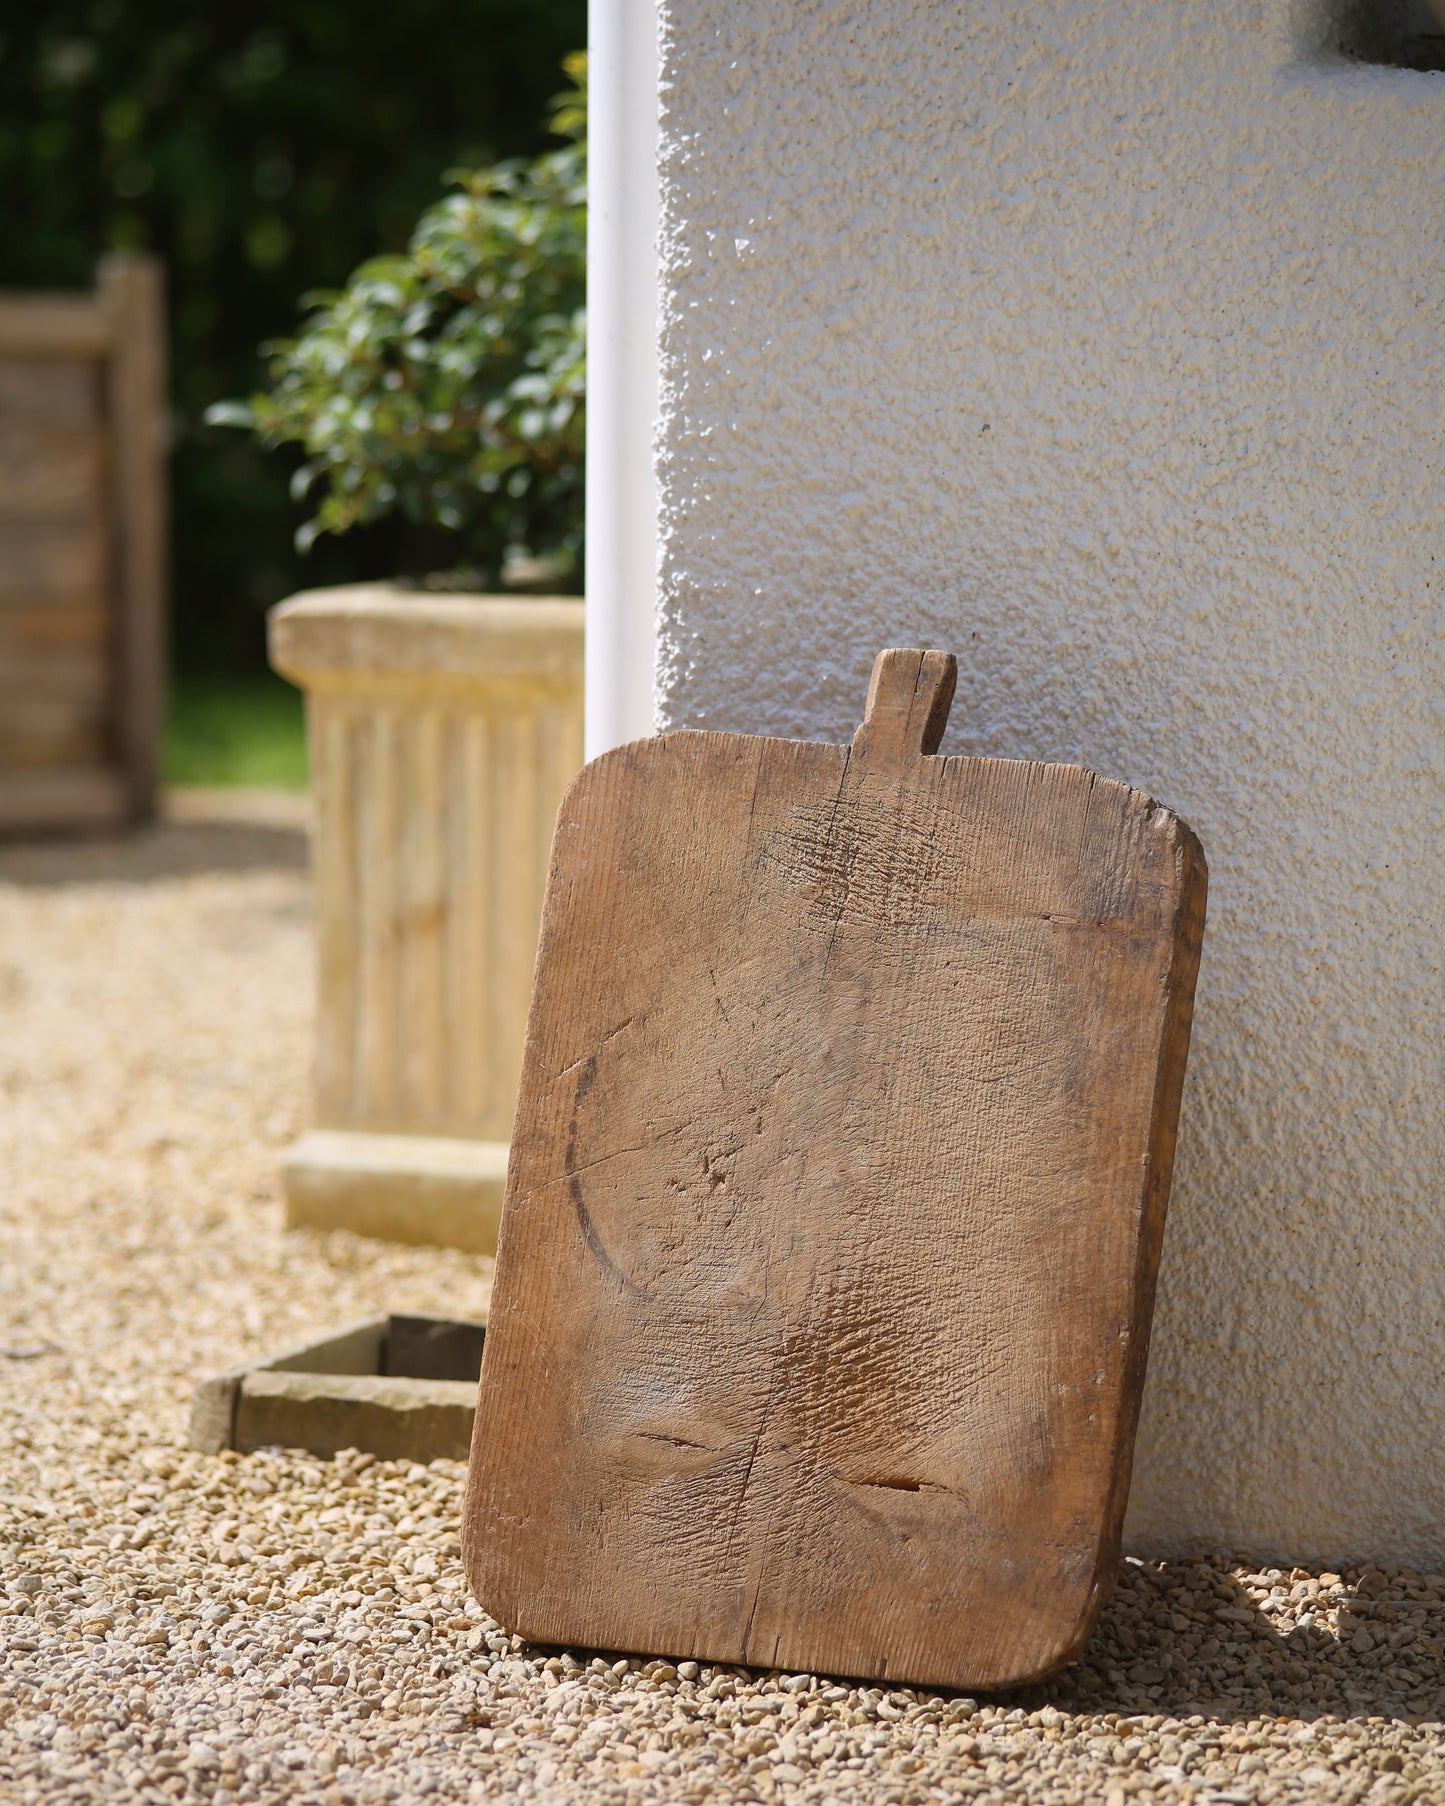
(1104, 343)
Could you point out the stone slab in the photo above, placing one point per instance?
(397, 1419)
(390, 1385)
(421, 1189)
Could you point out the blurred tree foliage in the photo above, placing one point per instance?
(447, 385)
(264, 149)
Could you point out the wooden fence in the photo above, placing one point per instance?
(82, 550)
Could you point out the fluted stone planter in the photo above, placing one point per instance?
(442, 733)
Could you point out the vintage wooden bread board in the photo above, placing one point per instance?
(836, 1194)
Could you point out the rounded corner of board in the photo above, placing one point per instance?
(1042, 1664)
(604, 766)
(487, 1586)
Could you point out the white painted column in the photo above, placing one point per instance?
(622, 390)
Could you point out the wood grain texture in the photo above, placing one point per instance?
(54, 563)
(837, 1188)
(79, 795)
(59, 326)
(50, 476)
(54, 674)
(82, 540)
(68, 734)
(133, 289)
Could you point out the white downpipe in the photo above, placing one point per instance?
(622, 391)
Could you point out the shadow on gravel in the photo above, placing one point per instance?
(1187, 1637)
(196, 835)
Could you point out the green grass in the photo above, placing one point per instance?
(235, 731)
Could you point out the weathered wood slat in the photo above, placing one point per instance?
(58, 733)
(837, 1189)
(51, 475)
(133, 291)
(64, 674)
(93, 796)
(44, 562)
(51, 394)
(82, 625)
(45, 325)
(68, 609)
(82, 534)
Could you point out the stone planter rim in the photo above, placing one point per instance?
(382, 631)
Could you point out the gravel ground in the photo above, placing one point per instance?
(278, 1628)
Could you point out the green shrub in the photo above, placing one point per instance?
(446, 385)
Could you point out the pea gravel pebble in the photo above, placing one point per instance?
(273, 1627)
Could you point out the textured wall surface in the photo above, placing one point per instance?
(1105, 344)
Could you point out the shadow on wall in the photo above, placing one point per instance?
(1404, 34)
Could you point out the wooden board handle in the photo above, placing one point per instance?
(909, 696)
